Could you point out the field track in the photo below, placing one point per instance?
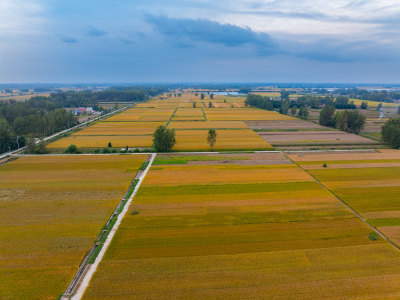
(91, 269)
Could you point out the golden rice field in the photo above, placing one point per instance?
(208, 125)
(245, 139)
(134, 127)
(101, 141)
(243, 114)
(51, 210)
(120, 128)
(234, 231)
(373, 103)
(368, 182)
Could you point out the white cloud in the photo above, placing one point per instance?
(20, 17)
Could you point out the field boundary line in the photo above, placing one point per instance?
(86, 270)
(171, 117)
(347, 205)
(204, 113)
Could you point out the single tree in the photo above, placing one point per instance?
(284, 107)
(303, 112)
(212, 138)
(364, 105)
(391, 132)
(30, 144)
(293, 110)
(380, 106)
(351, 121)
(327, 116)
(202, 96)
(194, 105)
(72, 149)
(211, 96)
(163, 139)
(109, 145)
(285, 95)
(41, 147)
(210, 105)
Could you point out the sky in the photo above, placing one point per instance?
(113, 41)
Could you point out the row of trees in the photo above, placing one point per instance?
(380, 96)
(351, 121)
(33, 117)
(284, 106)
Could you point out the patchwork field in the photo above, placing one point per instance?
(283, 125)
(243, 114)
(218, 226)
(51, 210)
(314, 137)
(226, 140)
(368, 182)
(135, 126)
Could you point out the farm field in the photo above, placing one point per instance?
(120, 128)
(373, 103)
(101, 141)
(135, 126)
(226, 140)
(243, 114)
(51, 211)
(233, 225)
(284, 125)
(314, 137)
(368, 182)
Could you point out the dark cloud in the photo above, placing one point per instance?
(93, 31)
(188, 33)
(203, 30)
(67, 39)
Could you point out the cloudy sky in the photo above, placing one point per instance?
(200, 40)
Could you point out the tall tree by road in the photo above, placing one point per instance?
(212, 138)
(163, 139)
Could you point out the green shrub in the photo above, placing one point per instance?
(373, 236)
(72, 149)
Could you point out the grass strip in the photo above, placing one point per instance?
(114, 219)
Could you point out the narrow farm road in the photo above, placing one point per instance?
(84, 283)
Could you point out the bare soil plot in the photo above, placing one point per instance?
(293, 124)
(314, 137)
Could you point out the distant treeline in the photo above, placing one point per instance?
(380, 96)
(312, 101)
(36, 117)
(92, 99)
